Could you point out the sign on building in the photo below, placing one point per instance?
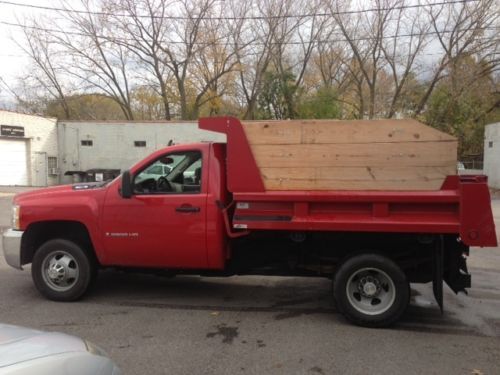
(11, 131)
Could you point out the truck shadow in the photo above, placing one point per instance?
(239, 293)
(430, 320)
(284, 297)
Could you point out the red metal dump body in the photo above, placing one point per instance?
(461, 207)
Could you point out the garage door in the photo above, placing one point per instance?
(13, 162)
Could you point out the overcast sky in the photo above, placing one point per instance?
(12, 59)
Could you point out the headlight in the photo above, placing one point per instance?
(16, 211)
(94, 349)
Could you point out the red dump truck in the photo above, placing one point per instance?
(212, 215)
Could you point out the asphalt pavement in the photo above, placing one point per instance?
(264, 325)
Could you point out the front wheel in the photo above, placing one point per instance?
(62, 270)
(371, 290)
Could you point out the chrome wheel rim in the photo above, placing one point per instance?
(60, 271)
(371, 291)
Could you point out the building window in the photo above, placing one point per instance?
(490, 144)
(87, 142)
(52, 162)
(140, 143)
(52, 166)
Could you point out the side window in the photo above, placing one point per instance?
(174, 173)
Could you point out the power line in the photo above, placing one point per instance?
(227, 18)
(113, 39)
(247, 54)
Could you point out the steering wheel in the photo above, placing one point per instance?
(163, 184)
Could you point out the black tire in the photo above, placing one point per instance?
(389, 282)
(74, 261)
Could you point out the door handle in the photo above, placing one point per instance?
(187, 208)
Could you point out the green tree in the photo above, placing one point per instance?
(464, 102)
(322, 104)
(278, 96)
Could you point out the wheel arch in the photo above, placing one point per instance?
(40, 232)
(363, 251)
(415, 261)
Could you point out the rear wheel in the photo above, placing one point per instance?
(62, 270)
(371, 290)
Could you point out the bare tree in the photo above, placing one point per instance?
(179, 55)
(330, 60)
(460, 29)
(98, 63)
(216, 63)
(294, 43)
(145, 29)
(336, 69)
(48, 75)
(365, 32)
(182, 44)
(402, 49)
(283, 41)
(254, 59)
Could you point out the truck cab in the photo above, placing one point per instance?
(166, 222)
(171, 221)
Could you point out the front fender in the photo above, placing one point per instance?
(83, 207)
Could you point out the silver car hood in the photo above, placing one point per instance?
(18, 344)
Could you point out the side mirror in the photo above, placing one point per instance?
(126, 185)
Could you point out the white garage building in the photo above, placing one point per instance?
(86, 145)
(28, 150)
(38, 151)
(492, 154)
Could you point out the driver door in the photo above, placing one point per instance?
(163, 224)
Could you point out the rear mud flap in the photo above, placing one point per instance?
(457, 275)
(449, 265)
(437, 272)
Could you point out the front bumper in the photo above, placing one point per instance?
(11, 243)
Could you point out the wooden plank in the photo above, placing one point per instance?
(337, 131)
(371, 131)
(322, 185)
(273, 132)
(404, 154)
(369, 173)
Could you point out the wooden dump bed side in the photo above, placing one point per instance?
(326, 155)
(461, 206)
(351, 155)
